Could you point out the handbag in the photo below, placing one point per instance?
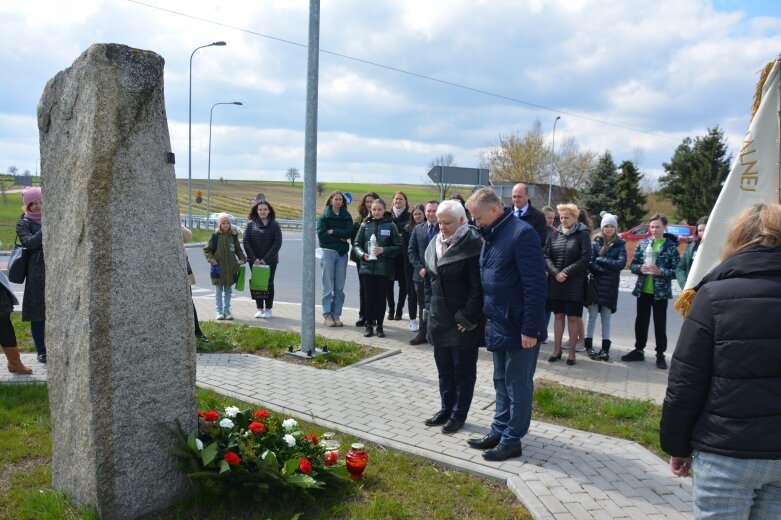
(260, 277)
(590, 297)
(241, 278)
(17, 263)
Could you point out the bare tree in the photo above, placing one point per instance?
(291, 175)
(519, 158)
(445, 159)
(13, 170)
(320, 187)
(572, 165)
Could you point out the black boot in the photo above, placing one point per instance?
(369, 331)
(604, 353)
(589, 343)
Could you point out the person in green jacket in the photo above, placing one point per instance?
(334, 230)
(685, 265)
(225, 254)
(376, 273)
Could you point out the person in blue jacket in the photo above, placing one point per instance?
(512, 273)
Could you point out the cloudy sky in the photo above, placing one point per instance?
(630, 76)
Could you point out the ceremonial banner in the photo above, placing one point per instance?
(754, 177)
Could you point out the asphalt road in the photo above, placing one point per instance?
(288, 284)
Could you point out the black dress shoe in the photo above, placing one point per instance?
(503, 452)
(360, 323)
(41, 357)
(441, 417)
(417, 340)
(369, 332)
(391, 316)
(484, 443)
(570, 361)
(380, 332)
(452, 426)
(553, 359)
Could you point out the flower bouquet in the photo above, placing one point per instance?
(253, 451)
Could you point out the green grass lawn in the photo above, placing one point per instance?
(10, 211)
(394, 485)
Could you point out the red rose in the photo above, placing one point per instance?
(231, 458)
(330, 458)
(304, 465)
(200, 413)
(257, 428)
(311, 438)
(211, 416)
(261, 414)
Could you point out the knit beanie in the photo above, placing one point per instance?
(608, 219)
(31, 195)
(223, 217)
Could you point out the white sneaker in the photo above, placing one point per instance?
(260, 314)
(413, 325)
(228, 315)
(267, 313)
(580, 346)
(219, 316)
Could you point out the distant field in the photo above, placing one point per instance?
(233, 196)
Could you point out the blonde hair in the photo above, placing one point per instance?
(756, 225)
(572, 208)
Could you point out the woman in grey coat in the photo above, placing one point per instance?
(30, 233)
(456, 327)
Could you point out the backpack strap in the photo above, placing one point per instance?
(214, 243)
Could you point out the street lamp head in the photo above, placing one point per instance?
(219, 44)
(558, 117)
(238, 103)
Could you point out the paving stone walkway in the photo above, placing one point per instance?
(563, 473)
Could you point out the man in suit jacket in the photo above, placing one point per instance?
(421, 236)
(522, 208)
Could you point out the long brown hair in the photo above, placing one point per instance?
(759, 224)
(362, 211)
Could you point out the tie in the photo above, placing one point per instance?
(429, 233)
(518, 213)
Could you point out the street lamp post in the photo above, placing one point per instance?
(552, 159)
(209, 168)
(190, 138)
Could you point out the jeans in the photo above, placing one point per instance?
(604, 313)
(457, 370)
(514, 385)
(334, 269)
(222, 295)
(726, 488)
(645, 304)
(37, 331)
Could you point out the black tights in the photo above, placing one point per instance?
(374, 288)
(7, 333)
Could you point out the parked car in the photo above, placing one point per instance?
(682, 231)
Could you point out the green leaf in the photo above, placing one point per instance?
(302, 481)
(291, 465)
(209, 453)
(270, 460)
(191, 442)
(224, 466)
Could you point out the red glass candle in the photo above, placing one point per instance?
(356, 461)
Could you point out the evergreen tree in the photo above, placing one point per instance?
(629, 201)
(600, 192)
(695, 174)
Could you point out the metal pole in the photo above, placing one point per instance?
(441, 182)
(552, 159)
(209, 168)
(190, 137)
(310, 180)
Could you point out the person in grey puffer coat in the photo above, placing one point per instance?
(262, 242)
(456, 326)
(567, 257)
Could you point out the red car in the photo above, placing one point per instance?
(682, 231)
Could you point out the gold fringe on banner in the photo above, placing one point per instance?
(760, 85)
(684, 301)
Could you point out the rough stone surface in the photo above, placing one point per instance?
(119, 326)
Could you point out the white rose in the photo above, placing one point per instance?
(289, 424)
(231, 411)
(290, 440)
(226, 423)
(199, 444)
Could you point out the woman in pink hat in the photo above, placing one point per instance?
(30, 234)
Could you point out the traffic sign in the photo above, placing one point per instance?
(458, 175)
(348, 198)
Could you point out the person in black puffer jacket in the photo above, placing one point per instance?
(262, 242)
(722, 413)
(567, 257)
(456, 326)
(608, 259)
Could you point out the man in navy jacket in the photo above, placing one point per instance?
(512, 271)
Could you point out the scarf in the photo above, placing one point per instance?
(33, 215)
(398, 212)
(443, 244)
(566, 231)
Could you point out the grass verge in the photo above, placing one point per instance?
(394, 485)
(224, 337)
